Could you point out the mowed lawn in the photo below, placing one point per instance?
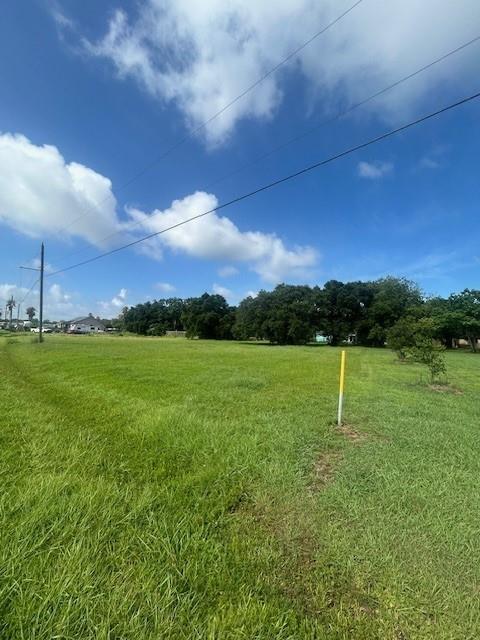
(173, 489)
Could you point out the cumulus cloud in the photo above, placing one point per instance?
(374, 170)
(112, 307)
(223, 291)
(58, 304)
(35, 263)
(184, 52)
(40, 193)
(8, 291)
(227, 271)
(165, 287)
(119, 300)
(37, 187)
(61, 305)
(218, 238)
(56, 294)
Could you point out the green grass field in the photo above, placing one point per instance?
(169, 489)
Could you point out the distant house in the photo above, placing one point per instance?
(89, 324)
(461, 342)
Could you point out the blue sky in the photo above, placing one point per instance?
(92, 93)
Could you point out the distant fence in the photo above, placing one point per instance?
(176, 334)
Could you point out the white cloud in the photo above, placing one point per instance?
(165, 287)
(227, 271)
(184, 52)
(60, 304)
(36, 263)
(119, 300)
(37, 187)
(57, 295)
(374, 170)
(435, 158)
(112, 307)
(62, 22)
(429, 163)
(40, 193)
(8, 291)
(57, 303)
(223, 291)
(217, 238)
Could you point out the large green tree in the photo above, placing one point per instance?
(286, 315)
(464, 315)
(391, 299)
(291, 314)
(208, 316)
(154, 318)
(340, 308)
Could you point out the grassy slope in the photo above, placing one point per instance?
(172, 489)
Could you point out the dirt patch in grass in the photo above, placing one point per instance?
(327, 462)
(294, 538)
(324, 469)
(351, 433)
(445, 388)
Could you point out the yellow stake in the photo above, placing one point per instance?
(340, 393)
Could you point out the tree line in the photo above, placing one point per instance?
(370, 313)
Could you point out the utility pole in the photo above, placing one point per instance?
(40, 319)
(41, 270)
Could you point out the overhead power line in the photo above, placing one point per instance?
(25, 296)
(307, 132)
(348, 110)
(275, 183)
(29, 291)
(201, 126)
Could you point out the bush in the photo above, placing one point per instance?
(413, 340)
(401, 337)
(429, 353)
(156, 330)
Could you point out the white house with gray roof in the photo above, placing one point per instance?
(88, 324)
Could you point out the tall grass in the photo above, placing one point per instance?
(156, 488)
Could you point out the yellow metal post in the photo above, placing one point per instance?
(340, 393)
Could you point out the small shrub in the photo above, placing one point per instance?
(156, 330)
(430, 353)
(413, 340)
(401, 337)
